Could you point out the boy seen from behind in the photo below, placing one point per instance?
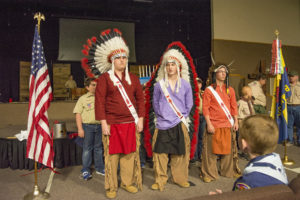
(258, 138)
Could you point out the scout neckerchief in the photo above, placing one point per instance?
(269, 165)
(171, 103)
(223, 106)
(125, 96)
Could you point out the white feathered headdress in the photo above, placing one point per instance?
(177, 56)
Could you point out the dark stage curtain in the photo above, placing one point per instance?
(13, 154)
(155, 28)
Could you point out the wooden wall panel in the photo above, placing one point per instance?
(24, 80)
(61, 72)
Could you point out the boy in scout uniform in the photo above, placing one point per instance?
(293, 106)
(90, 130)
(260, 100)
(258, 138)
(70, 84)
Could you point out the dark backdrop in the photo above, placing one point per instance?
(157, 24)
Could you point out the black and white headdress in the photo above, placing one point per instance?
(101, 51)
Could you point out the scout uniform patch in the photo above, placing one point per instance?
(241, 186)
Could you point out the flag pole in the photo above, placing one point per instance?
(36, 191)
(39, 16)
(285, 159)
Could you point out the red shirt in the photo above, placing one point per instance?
(109, 103)
(212, 108)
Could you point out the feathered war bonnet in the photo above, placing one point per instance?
(174, 54)
(101, 52)
(177, 53)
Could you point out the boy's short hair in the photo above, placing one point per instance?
(261, 134)
(245, 90)
(88, 81)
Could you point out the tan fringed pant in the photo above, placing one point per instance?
(179, 163)
(130, 168)
(228, 163)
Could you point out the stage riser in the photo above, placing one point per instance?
(12, 114)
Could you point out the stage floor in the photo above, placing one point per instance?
(68, 185)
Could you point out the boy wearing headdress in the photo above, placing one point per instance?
(119, 105)
(172, 101)
(220, 112)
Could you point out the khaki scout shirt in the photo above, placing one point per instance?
(86, 107)
(70, 84)
(258, 93)
(295, 97)
(243, 109)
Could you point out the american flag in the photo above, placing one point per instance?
(39, 142)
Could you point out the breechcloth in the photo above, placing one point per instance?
(228, 163)
(130, 168)
(179, 163)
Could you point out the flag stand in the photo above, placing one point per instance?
(36, 191)
(36, 194)
(285, 159)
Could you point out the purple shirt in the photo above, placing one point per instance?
(165, 116)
